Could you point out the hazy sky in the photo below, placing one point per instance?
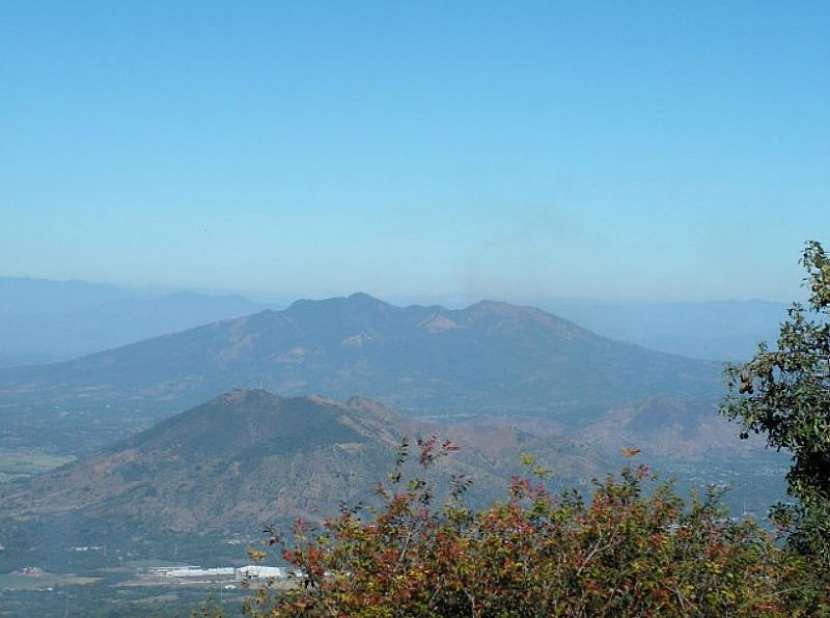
(620, 150)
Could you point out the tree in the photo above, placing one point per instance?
(625, 552)
(785, 394)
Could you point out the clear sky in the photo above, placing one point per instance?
(614, 150)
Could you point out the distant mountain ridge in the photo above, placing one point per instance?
(48, 321)
(489, 358)
(715, 330)
(29, 296)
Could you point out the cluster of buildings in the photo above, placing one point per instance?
(252, 571)
(84, 548)
(30, 571)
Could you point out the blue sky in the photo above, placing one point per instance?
(613, 150)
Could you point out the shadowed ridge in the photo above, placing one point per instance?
(226, 457)
(248, 456)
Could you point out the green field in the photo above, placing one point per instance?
(22, 463)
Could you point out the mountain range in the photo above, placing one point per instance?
(158, 468)
(491, 358)
(47, 321)
(249, 458)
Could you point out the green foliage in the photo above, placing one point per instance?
(785, 394)
(633, 549)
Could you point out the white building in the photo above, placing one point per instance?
(252, 571)
(255, 571)
(191, 571)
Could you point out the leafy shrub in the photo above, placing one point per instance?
(633, 549)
